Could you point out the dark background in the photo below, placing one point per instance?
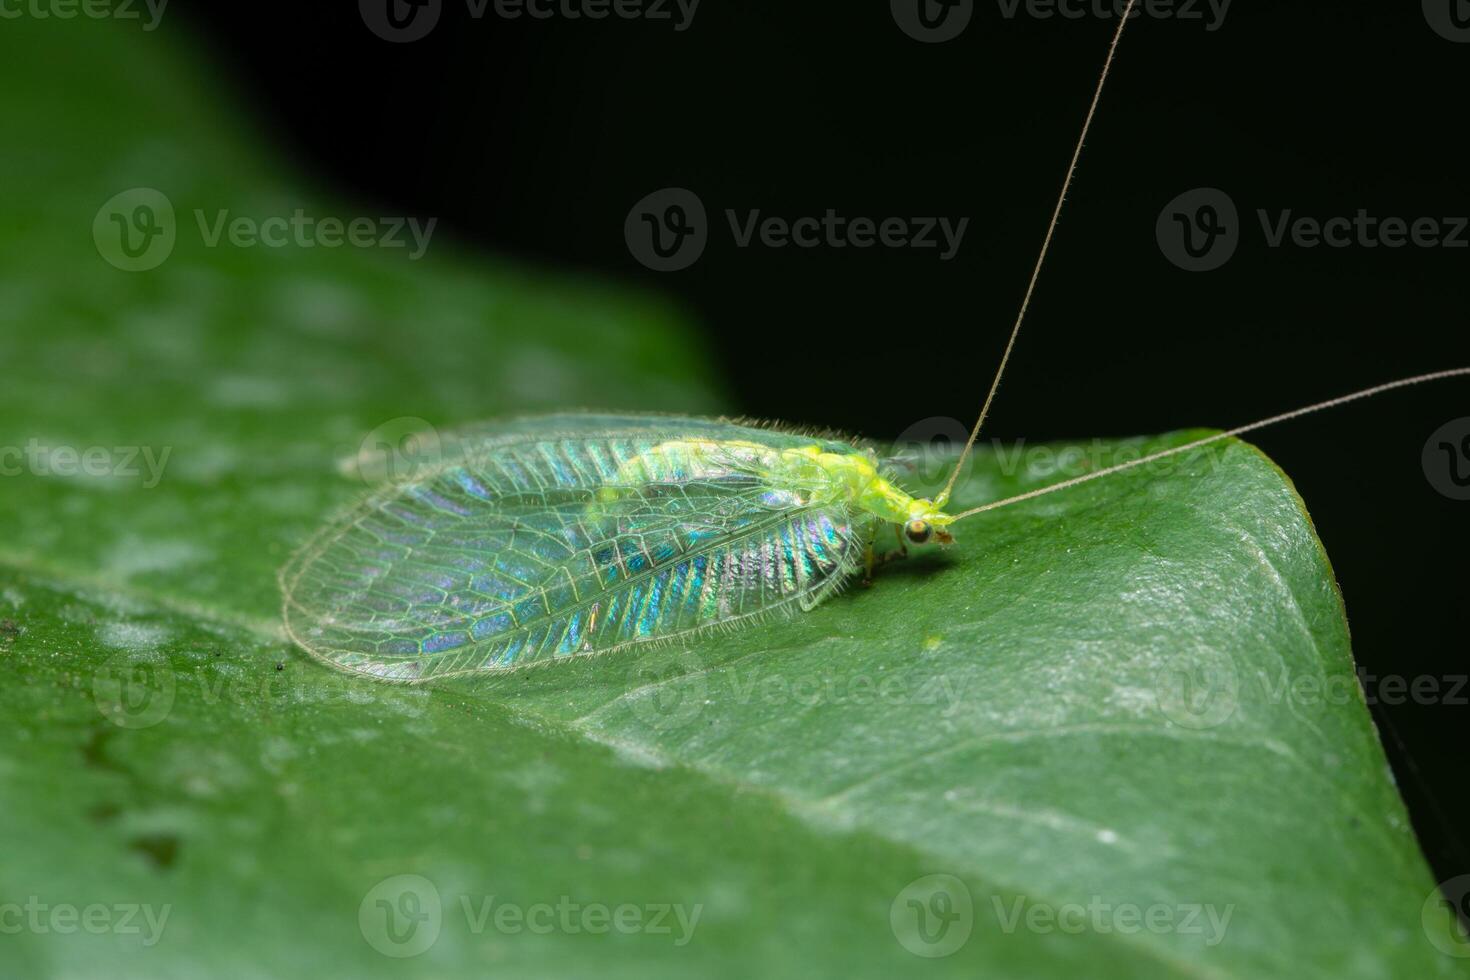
(534, 138)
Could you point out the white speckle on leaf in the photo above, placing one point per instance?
(537, 376)
(632, 753)
(248, 391)
(276, 752)
(537, 782)
(206, 463)
(1134, 700)
(319, 307)
(133, 555)
(282, 499)
(115, 603)
(637, 755)
(136, 637)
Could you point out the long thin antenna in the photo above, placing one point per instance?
(1041, 256)
(1296, 413)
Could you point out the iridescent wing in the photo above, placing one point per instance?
(530, 547)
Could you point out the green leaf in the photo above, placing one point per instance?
(1129, 705)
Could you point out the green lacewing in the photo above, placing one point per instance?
(548, 538)
(573, 534)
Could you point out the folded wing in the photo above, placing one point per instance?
(531, 547)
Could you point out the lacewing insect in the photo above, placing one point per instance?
(567, 535)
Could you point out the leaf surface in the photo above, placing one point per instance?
(1096, 713)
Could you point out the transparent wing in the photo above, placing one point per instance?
(535, 548)
(433, 448)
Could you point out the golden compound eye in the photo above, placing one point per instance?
(918, 531)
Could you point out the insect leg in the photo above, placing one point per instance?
(873, 560)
